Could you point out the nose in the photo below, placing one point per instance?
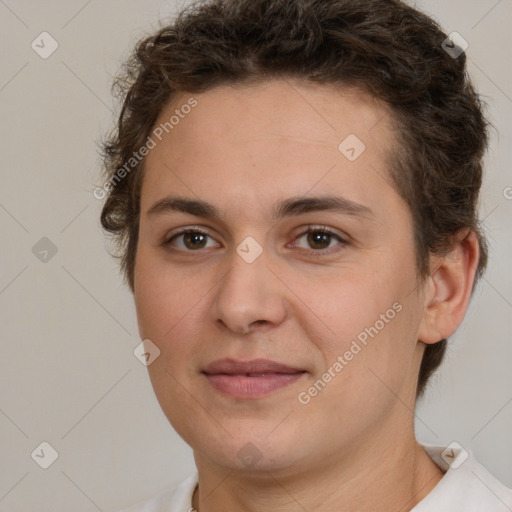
(249, 297)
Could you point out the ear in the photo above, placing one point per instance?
(449, 288)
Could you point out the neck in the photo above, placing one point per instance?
(395, 477)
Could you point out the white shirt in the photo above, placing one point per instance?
(465, 487)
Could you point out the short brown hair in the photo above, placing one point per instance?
(382, 47)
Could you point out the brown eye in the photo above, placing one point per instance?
(320, 240)
(194, 240)
(190, 240)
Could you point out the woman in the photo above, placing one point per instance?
(293, 186)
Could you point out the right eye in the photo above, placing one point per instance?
(189, 240)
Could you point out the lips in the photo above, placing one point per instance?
(250, 379)
(255, 366)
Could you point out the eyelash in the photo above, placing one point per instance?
(310, 229)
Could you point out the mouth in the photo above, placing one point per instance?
(250, 379)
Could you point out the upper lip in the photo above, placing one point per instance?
(256, 366)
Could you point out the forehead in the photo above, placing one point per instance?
(278, 135)
(294, 108)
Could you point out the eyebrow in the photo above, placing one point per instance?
(287, 208)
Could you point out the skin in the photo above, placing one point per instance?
(244, 149)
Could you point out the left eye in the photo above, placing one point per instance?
(319, 239)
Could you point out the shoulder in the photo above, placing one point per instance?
(178, 499)
(466, 486)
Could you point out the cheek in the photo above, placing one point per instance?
(170, 304)
(163, 295)
(367, 324)
(348, 303)
(167, 305)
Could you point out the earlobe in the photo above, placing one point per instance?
(449, 287)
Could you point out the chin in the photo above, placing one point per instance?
(249, 453)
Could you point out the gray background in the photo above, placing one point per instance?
(68, 375)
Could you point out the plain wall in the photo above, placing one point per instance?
(68, 375)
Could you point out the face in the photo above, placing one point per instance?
(281, 288)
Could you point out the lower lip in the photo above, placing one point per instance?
(241, 386)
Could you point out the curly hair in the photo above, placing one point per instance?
(384, 48)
